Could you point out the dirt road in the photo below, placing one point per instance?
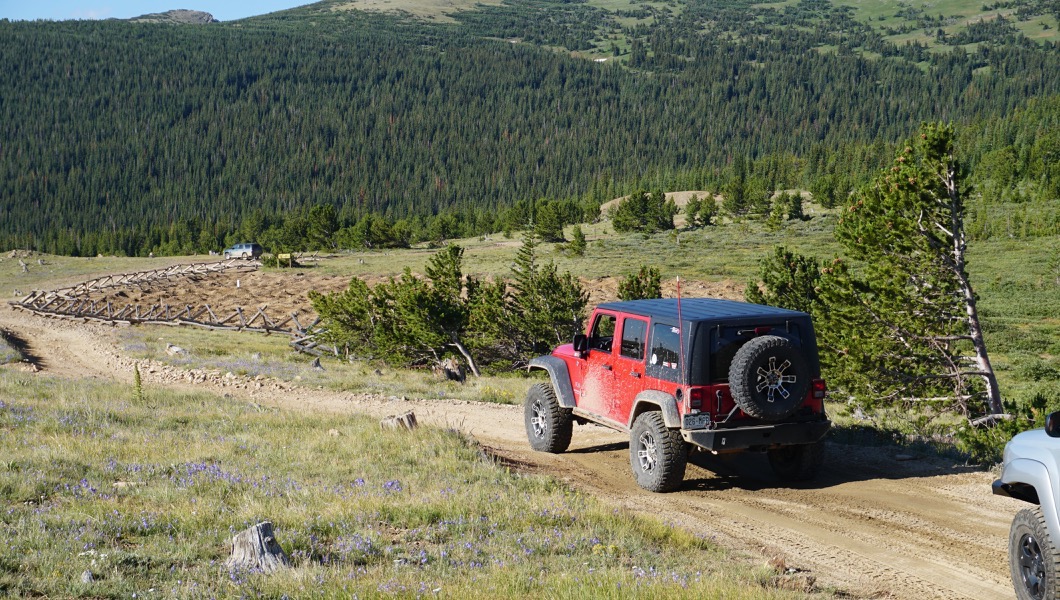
(875, 525)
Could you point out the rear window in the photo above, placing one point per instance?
(715, 347)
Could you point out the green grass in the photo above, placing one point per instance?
(145, 496)
(1019, 288)
(252, 355)
(7, 353)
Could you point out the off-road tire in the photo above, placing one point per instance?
(1032, 556)
(769, 378)
(801, 462)
(657, 454)
(548, 425)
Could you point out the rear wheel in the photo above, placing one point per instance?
(548, 425)
(797, 463)
(1032, 556)
(657, 454)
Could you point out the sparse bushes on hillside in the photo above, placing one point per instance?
(643, 285)
(417, 321)
(644, 212)
(700, 213)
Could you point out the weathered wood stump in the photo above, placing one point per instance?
(256, 549)
(450, 370)
(406, 421)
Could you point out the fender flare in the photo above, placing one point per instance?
(560, 376)
(660, 400)
(1035, 474)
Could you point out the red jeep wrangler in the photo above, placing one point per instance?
(716, 375)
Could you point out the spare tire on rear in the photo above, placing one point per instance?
(769, 378)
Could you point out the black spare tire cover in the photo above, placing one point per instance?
(769, 378)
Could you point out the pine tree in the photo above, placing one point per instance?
(548, 223)
(788, 280)
(910, 319)
(642, 211)
(547, 308)
(692, 208)
(577, 244)
(645, 284)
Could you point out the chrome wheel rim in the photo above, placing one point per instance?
(646, 451)
(773, 381)
(538, 420)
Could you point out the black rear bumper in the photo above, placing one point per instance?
(757, 436)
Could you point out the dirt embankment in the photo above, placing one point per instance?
(875, 525)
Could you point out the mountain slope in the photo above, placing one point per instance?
(130, 134)
(196, 17)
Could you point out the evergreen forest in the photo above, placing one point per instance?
(127, 138)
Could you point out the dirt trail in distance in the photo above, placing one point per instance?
(872, 526)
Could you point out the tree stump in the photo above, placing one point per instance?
(255, 549)
(406, 421)
(450, 370)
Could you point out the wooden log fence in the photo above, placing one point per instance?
(72, 303)
(138, 279)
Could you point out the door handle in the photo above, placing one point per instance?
(634, 374)
(606, 367)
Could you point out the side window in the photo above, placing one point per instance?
(634, 336)
(666, 340)
(603, 333)
(665, 352)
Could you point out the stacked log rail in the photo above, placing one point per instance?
(74, 303)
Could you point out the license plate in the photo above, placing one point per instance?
(697, 421)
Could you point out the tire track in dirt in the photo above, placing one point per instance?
(871, 538)
(871, 527)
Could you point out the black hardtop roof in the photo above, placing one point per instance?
(701, 309)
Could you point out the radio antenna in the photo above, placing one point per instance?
(681, 352)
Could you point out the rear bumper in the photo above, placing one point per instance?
(759, 436)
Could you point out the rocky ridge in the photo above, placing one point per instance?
(181, 15)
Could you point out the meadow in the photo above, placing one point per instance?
(108, 493)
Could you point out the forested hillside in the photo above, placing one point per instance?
(122, 137)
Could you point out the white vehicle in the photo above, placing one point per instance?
(247, 251)
(1031, 473)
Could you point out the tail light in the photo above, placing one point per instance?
(818, 390)
(696, 396)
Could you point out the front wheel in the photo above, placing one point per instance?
(548, 425)
(1032, 557)
(657, 454)
(228, 256)
(797, 463)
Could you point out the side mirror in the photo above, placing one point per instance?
(1052, 424)
(581, 345)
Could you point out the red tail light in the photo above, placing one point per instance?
(696, 396)
(819, 389)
